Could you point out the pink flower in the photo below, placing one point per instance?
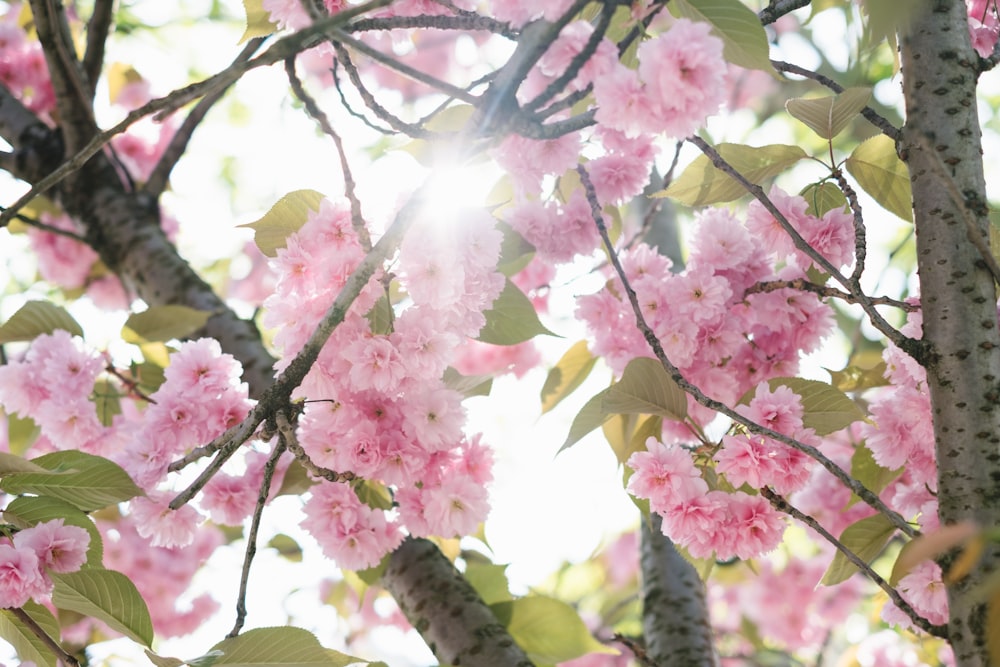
(375, 364)
(665, 475)
(21, 578)
(167, 527)
(62, 260)
(349, 532)
(456, 507)
(926, 593)
(229, 499)
(754, 526)
(59, 548)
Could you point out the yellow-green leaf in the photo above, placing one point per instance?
(21, 434)
(931, 545)
(286, 217)
(36, 318)
(548, 630)
(591, 416)
(118, 76)
(271, 647)
(702, 184)
(489, 580)
(618, 431)
(159, 324)
(511, 319)
(27, 644)
(85, 481)
(258, 20)
(467, 385)
(823, 197)
(866, 470)
(877, 168)
(568, 374)
(645, 388)
(107, 401)
(743, 37)
(286, 547)
(866, 538)
(857, 378)
(827, 116)
(108, 596)
(12, 463)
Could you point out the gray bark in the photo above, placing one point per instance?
(941, 142)
(447, 612)
(674, 610)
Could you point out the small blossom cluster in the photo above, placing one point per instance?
(680, 81)
(26, 560)
(52, 385)
(201, 397)
(22, 65)
(62, 260)
(378, 406)
(724, 340)
(707, 523)
(984, 25)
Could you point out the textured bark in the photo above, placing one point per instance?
(674, 610)
(447, 612)
(941, 143)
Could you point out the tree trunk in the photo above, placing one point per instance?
(941, 143)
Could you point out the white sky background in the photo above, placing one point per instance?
(546, 509)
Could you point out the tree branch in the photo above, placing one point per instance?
(49, 642)
(98, 29)
(778, 8)
(675, 619)
(447, 612)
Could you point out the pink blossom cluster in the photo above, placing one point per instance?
(984, 25)
(26, 560)
(201, 397)
(377, 405)
(759, 461)
(62, 260)
(924, 589)
(724, 340)
(680, 81)
(705, 522)
(52, 385)
(22, 65)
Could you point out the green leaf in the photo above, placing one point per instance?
(548, 630)
(149, 375)
(515, 252)
(107, 401)
(743, 37)
(279, 647)
(702, 184)
(828, 116)
(512, 319)
(258, 21)
(877, 168)
(618, 431)
(36, 318)
(85, 481)
(825, 408)
(108, 596)
(162, 323)
(645, 388)
(284, 218)
(28, 646)
(381, 317)
(866, 538)
(286, 547)
(489, 580)
(823, 197)
(29, 511)
(201, 661)
(467, 385)
(857, 378)
(567, 375)
(11, 463)
(868, 472)
(22, 432)
(373, 494)
(591, 416)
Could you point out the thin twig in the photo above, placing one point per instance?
(251, 551)
(804, 285)
(784, 506)
(638, 650)
(98, 29)
(778, 8)
(158, 178)
(675, 374)
(873, 117)
(162, 106)
(860, 232)
(317, 114)
(49, 642)
(45, 227)
(467, 21)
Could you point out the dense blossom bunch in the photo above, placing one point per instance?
(984, 25)
(22, 65)
(377, 406)
(26, 560)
